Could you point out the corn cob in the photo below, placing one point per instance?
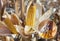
(30, 19)
(10, 26)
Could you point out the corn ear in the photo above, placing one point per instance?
(10, 26)
(30, 19)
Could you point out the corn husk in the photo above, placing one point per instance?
(10, 26)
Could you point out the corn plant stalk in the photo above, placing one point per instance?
(3, 4)
(0, 9)
(17, 11)
(22, 9)
(0, 16)
(16, 7)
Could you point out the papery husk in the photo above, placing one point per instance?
(50, 33)
(3, 29)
